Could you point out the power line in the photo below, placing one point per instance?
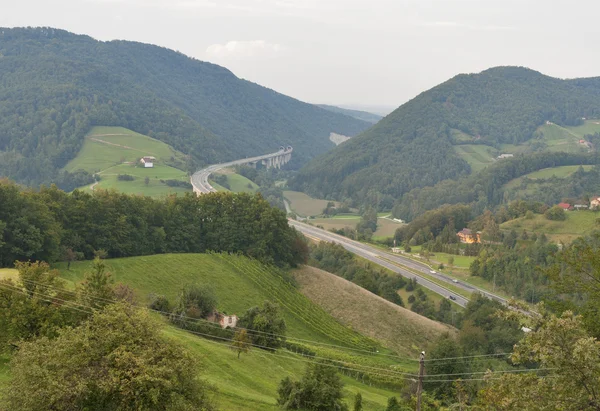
(211, 324)
(366, 369)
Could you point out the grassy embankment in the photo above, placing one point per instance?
(110, 151)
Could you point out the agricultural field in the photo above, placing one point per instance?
(250, 382)
(105, 147)
(558, 172)
(396, 326)
(304, 205)
(110, 151)
(577, 223)
(239, 283)
(591, 126)
(386, 227)
(154, 188)
(477, 155)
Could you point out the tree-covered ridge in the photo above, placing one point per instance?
(359, 114)
(412, 147)
(55, 85)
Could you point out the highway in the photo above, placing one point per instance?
(392, 262)
(404, 266)
(200, 178)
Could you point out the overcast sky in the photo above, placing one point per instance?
(357, 52)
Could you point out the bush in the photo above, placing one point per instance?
(555, 213)
(125, 177)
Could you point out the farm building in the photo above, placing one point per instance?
(565, 206)
(595, 203)
(224, 320)
(148, 161)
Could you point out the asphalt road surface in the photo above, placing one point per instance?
(390, 261)
(200, 178)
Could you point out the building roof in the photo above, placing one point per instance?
(466, 231)
(564, 206)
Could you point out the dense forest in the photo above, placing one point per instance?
(55, 85)
(52, 225)
(413, 146)
(485, 189)
(361, 115)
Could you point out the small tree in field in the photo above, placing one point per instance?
(241, 342)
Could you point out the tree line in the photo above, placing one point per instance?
(51, 225)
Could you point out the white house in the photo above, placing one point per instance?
(148, 161)
(501, 156)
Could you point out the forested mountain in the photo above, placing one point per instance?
(413, 146)
(361, 115)
(55, 85)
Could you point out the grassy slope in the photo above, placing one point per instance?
(125, 145)
(303, 204)
(385, 227)
(556, 137)
(238, 183)
(576, 224)
(398, 327)
(559, 172)
(250, 383)
(476, 155)
(119, 153)
(239, 283)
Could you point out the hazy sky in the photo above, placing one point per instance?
(370, 52)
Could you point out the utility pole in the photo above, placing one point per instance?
(420, 385)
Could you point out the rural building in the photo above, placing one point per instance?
(224, 320)
(595, 203)
(148, 161)
(565, 206)
(579, 206)
(501, 156)
(468, 236)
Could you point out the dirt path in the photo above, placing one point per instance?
(115, 144)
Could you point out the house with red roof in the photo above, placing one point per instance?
(565, 206)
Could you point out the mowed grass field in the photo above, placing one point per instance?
(577, 223)
(477, 155)
(105, 147)
(304, 205)
(559, 172)
(385, 227)
(239, 283)
(154, 188)
(250, 382)
(399, 328)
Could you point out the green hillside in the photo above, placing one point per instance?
(558, 172)
(61, 84)
(233, 182)
(239, 283)
(112, 151)
(577, 224)
(413, 147)
(361, 115)
(477, 155)
(105, 147)
(250, 383)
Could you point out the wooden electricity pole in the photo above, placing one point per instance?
(420, 384)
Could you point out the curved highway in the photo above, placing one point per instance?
(199, 179)
(396, 263)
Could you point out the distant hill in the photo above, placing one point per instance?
(361, 115)
(55, 85)
(415, 145)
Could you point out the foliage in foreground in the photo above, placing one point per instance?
(569, 358)
(117, 360)
(320, 389)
